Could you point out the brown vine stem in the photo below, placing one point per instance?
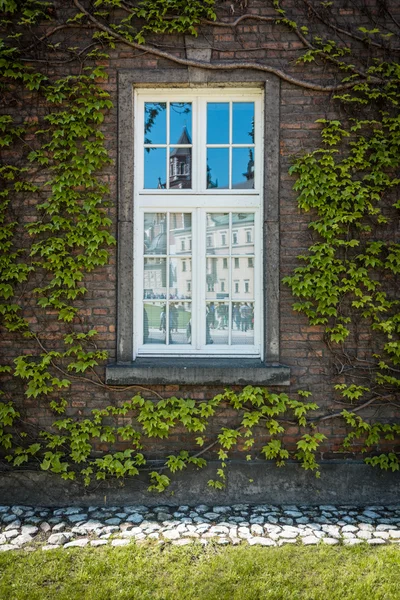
(345, 32)
(98, 383)
(228, 66)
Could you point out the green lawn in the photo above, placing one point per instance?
(197, 573)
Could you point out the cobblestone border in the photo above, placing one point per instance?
(26, 527)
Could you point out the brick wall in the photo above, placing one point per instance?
(302, 345)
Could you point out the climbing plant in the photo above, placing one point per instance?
(56, 229)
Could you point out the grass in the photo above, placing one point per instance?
(196, 573)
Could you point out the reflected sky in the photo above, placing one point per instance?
(243, 168)
(154, 167)
(155, 123)
(243, 123)
(217, 123)
(180, 118)
(217, 168)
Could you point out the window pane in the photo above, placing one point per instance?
(217, 318)
(155, 123)
(180, 323)
(217, 233)
(217, 168)
(180, 233)
(243, 232)
(155, 278)
(180, 168)
(154, 319)
(155, 168)
(243, 168)
(178, 278)
(218, 123)
(242, 279)
(242, 323)
(155, 236)
(243, 123)
(217, 279)
(180, 123)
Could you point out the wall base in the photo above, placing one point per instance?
(252, 483)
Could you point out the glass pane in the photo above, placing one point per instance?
(154, 319)
(180, 123)
(243, 233)
(155, 168)
(217, 233)
(155, 278)
(242, 279)
(179, 276)
(217, 168)
(155, 233)
(243, 168)
(217, 279)
(180, 331)
(242, 323)
(180, 234)
(217, 318)
(155, 123)
(243, 123)
(218, 123)
(180, 168)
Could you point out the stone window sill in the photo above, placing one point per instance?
(197, 371)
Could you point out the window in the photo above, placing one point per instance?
(250, 263)
(208, 142)
(187, 364)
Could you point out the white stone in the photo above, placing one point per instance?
(29, 529)
(182, 542)
(384, 535)
(376, 541)
(9, 535)
(257, 530)
(45, 527)
(349, 528)
(77, 543)
(22, 539)
(310, 540)
(171, 534)
(51, 547)
(261, 541)
(59, 538)
(366, 527)
(352, 541)
(394, 533)
(330, 541)
(6, 547)
(382, 527)
(364, 535)
(59, 527)
(218, 530)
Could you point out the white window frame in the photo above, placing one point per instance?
(199, 200)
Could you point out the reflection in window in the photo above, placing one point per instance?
(234, 238)
(155, 123)
(243, 123)
(218, 123)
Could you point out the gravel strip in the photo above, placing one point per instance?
(28, 527)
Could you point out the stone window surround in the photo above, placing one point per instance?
(196, 371)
